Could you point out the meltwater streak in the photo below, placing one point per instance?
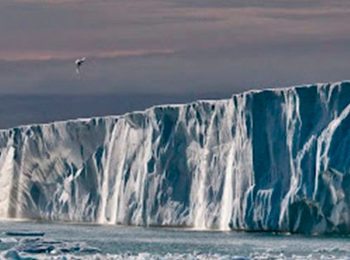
(271, 160)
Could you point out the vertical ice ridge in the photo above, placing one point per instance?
(197, 153)
(324, 143)
(293, 125)
(110, 143)
(6, 173)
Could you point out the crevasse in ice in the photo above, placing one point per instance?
(269, 160)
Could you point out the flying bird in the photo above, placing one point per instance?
(78, 63)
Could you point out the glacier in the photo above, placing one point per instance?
(263, 160)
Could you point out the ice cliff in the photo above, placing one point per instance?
(263, 160)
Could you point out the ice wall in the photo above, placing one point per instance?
(262, 160)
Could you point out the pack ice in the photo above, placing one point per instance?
(270, 160)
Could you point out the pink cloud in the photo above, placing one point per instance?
(46, 56)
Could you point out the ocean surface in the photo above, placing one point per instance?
(43, 240)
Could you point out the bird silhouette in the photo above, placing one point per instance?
(78, 63)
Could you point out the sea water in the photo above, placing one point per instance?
(43, 240)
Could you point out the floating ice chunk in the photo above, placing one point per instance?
(25, 234)
(8, 240)
(39, 246)
(14, 255)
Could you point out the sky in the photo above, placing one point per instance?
(170, 47)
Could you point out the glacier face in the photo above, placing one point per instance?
(271, 160)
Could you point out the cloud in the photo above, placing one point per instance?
(47, 1)
(61, 56)
(175, 45)
(266, 4)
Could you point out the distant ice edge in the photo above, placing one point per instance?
(271, 160)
